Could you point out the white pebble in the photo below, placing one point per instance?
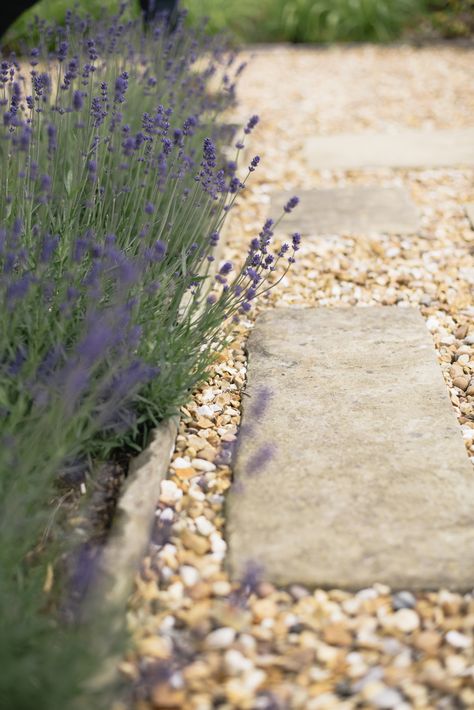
(387, 699)
(432, 323)
(180, 462)
(253, 680)
(204, 526)
(367, 594)
(221, 638)
(406, 620)
(205, 411)
(458, 640)
(170, 493)
(218, 544)
(203, 465)
(236, 663)
(189, 575)
(221, 588)
(167, 514)
(196, 493)
(175, 591)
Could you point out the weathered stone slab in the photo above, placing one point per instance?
(370, 480)
(359, 208)
(407, 149)
(470, 213)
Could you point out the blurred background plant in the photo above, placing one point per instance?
(317, 21)
(451, 18)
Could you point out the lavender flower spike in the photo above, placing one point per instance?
(291, 204)
(251, 124)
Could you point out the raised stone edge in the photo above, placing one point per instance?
(133, 520)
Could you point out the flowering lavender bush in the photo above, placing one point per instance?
(112, 201)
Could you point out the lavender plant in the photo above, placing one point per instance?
(112, 201)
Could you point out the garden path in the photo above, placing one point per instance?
(203, 640)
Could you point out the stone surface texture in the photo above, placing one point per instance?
(404, 149)
(369, 481)
(357, 208)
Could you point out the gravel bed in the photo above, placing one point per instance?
(202, 642)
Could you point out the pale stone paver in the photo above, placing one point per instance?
(470, 213)
(358, 208)
(370, 480)
(406, 149)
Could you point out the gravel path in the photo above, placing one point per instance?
(201, 642)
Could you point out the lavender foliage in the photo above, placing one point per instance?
(114, 194)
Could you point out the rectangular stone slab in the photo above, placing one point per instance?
(370, 480)
(407, 149)
(360, 209)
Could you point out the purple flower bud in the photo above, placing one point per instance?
(48, 248)
(62, 51)
(149, 208)
(45, 183)
(78, 100)
(226, 268)
(52, 137)
(159, 250)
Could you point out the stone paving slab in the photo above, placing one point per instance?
(360, 208)
(407, 149)
(470, 213)
(370, 480)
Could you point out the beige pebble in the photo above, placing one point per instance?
(164, 696)
(200, 545)
(427, 641)
(337, 635)
(264, 609)
(462, 382)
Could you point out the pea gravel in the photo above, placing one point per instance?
(201, 642)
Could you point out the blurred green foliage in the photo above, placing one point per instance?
(307, 20)
(294, 20)
(452, 18)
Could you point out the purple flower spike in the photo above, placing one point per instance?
(296, 241)
(251, 124)
(149, 208)
(291, 204)
(254, 163)
(121, 86)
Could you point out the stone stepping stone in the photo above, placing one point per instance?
(407, 149)
(370, 480)
(470, 213)
(357, 209)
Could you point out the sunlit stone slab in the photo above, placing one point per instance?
(359, 209)
(407, 149)
(369, 480)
